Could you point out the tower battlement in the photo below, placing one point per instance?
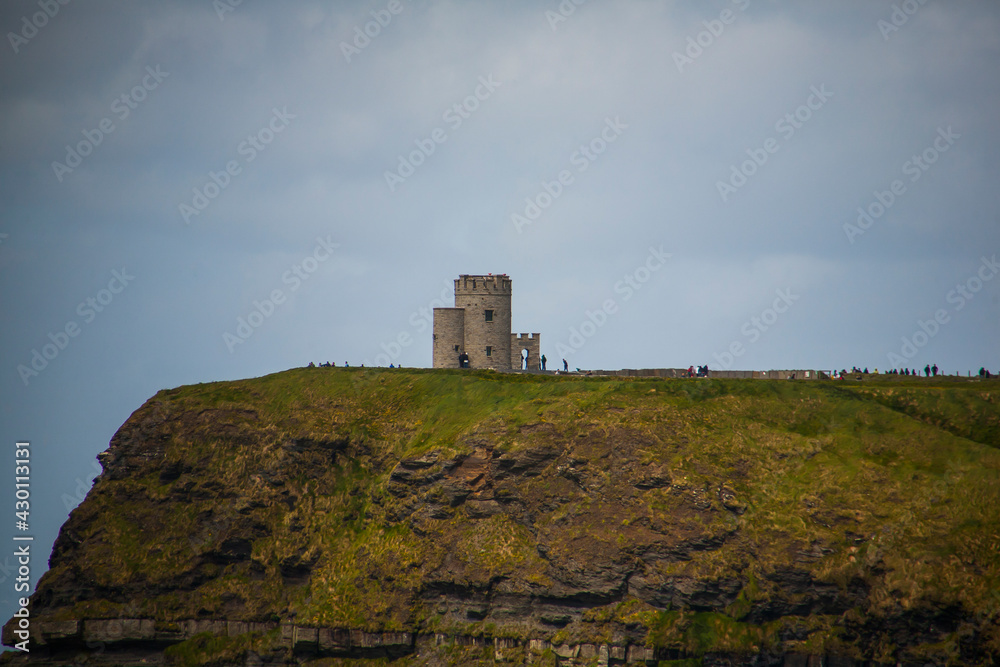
(480, 284)
(525, 342)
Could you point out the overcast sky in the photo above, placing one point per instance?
(666, 183)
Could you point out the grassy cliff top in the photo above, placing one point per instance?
(702, 514)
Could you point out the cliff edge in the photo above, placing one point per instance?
(328, 516)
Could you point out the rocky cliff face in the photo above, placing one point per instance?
(439, 518)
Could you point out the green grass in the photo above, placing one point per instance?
(894, 483)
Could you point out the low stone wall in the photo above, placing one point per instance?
(302, 642)
(801, 374)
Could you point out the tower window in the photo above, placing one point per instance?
(456, 348)
(489, 315)
(489, 350)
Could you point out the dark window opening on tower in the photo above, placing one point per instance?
(456, 348)
(489, 350)
(489, 315)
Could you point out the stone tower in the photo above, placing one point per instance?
(449, 336)
(478, 325)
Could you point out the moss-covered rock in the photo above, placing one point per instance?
(692, 516)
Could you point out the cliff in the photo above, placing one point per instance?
(343, 516)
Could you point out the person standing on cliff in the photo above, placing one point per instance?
(543, 362)
(934, 370)
(565, 366)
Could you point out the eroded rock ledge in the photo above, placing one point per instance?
(600, 516)
(120, 641)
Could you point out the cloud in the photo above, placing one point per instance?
(324, 174)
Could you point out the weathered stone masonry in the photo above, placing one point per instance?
(479, 325)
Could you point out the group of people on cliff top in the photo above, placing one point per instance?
(929, 371)
(526, 361)
(702, 371)
(327, 364)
